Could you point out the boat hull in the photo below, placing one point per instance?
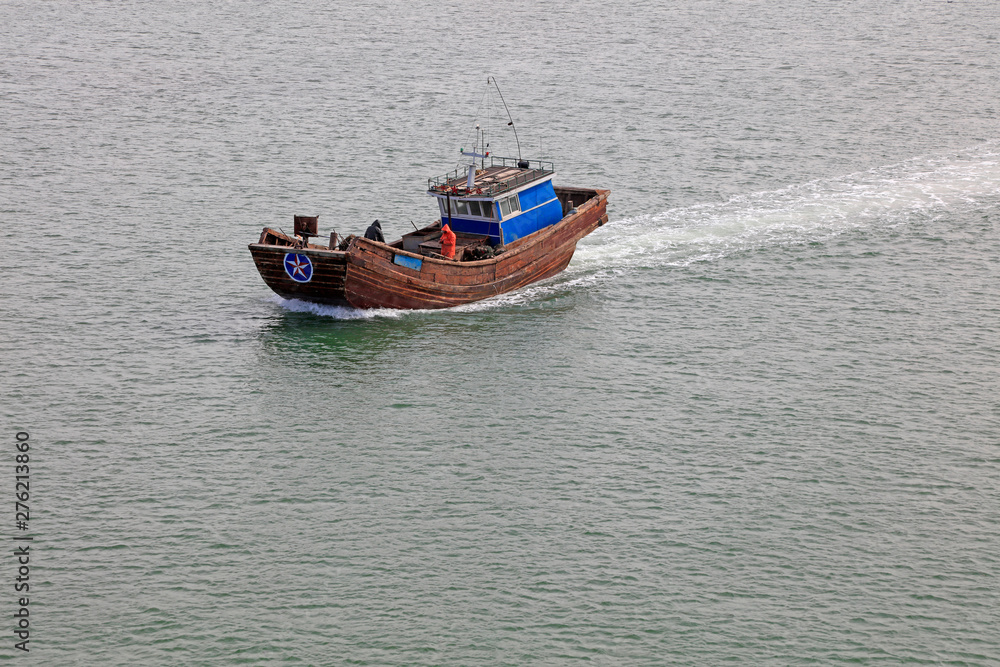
(378, 275)
(326, 285)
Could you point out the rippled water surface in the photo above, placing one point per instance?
(756, 420)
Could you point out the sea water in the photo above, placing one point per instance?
(755, 420)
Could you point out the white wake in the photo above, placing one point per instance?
(816, 211)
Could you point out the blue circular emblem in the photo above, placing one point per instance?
(298, 268)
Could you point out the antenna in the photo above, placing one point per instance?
(511, 123)
(471, 182)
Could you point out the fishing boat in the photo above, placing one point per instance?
(512, 227)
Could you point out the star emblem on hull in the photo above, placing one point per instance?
(298, 267)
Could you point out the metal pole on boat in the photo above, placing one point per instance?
(511, 123)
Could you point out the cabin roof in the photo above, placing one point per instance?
(499, 176)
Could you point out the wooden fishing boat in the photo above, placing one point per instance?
(411, 273)
(513, 227)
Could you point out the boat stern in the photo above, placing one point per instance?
(300, 271)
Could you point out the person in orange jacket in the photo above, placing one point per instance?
(447, 242)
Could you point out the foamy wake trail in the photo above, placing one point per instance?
(817, 211)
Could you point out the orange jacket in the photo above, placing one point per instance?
(448, 242)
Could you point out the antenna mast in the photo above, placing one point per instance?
(493, 79)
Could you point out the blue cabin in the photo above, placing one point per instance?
(502, 198)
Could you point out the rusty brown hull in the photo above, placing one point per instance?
(369, 275)
(328, 279)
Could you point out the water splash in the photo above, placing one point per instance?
(337, 312)
(817, 211)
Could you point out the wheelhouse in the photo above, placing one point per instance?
(502, 198)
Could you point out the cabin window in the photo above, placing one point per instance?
(487, 209)
(444, 208)
(509, 205)
(474, 209)
(463, 208)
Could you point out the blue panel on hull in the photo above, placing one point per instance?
(409, 262)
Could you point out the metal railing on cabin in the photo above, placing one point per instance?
(457, 179)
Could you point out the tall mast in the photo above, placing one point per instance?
(509, 118)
